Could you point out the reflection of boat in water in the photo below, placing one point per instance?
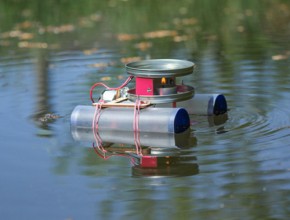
(161, 152)
(188, 169)
(149, 139)
(163, 162)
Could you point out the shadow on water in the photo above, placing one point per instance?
(43, 107)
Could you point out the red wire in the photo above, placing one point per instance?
(95, 127)
(107, 87)
(106, 157)
(136, 127)
(96, 117)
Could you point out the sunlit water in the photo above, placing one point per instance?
(238, 166)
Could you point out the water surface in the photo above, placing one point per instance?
(238, 168)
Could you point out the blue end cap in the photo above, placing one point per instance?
(220, 105)
(181, 121)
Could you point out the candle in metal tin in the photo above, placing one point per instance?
(167, 87)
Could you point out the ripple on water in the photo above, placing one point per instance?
(253, 144)
(257, 125)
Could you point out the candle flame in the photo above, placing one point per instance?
(163, 80)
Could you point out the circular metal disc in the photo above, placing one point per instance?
(158, 68)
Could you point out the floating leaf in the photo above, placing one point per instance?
(106, 78)
(143, 45)
(280, 57)
(59, 29)
(126, 37)
(25, 25)
(130, 59)
(10, 34)
(99, 65)
(89, 52)
(180, 38)
(26, 36)
(160, 34)
(102, 65)
(26, 44)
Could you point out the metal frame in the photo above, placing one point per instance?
(158, 68)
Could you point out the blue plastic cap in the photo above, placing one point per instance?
(220, 105)
(180, 121)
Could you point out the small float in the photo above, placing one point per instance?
(152, 115)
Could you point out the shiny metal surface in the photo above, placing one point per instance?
(183, 93)
(157, 68)
(165, 151)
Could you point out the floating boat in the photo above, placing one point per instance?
(157, 106)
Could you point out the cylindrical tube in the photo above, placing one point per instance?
(161, 120)
(203, 104)
(150, 139)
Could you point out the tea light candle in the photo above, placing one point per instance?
(167, 87)
(167, 90)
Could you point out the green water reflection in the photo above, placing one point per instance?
(65, 24)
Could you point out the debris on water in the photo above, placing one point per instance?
(160, 34)
(130, 59)
(282, 56)
(26, 44)
(49, 117)
(126, 37)
(143, 45)
(106, 78)
(102, 65)
(90, 51)
(279, 57)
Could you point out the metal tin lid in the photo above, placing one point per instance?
(158, 68)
